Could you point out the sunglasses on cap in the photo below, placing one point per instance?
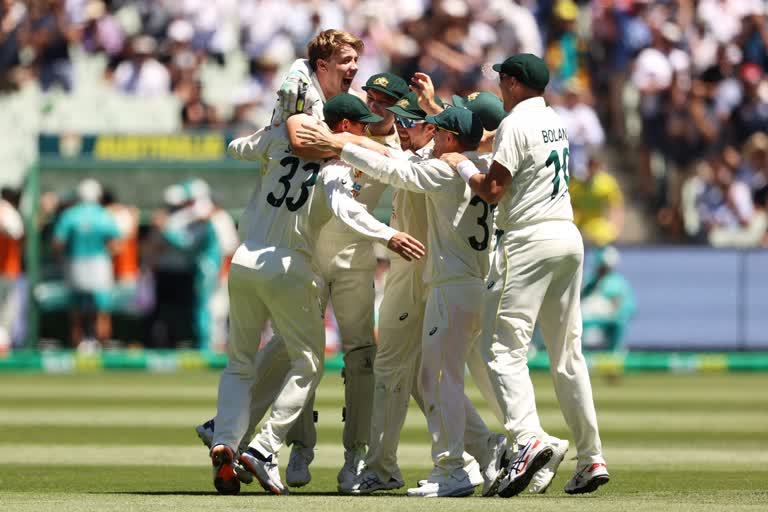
(408, 123)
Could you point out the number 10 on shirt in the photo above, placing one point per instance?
(554, 158)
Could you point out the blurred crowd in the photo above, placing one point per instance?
(170, 274)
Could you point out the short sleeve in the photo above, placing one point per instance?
(505, 146)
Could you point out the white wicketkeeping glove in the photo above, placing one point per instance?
(291, 97)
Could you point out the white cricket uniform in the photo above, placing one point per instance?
(272, 277)
(347, 265)
(536, 274)
(456, 266)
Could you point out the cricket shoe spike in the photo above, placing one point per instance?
(224, 477)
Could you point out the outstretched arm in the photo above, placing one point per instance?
(490, 187)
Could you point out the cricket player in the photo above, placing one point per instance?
(454, 275)
(400, 329)
(347, 264)
(272, 277)
(536, 275)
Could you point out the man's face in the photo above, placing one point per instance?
(445, 142)
(353, 127)
(507, 85)
(414, 134)
(378, 102)
(336, 74)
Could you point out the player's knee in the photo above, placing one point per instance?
(360, 361)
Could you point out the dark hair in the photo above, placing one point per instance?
(12, 195)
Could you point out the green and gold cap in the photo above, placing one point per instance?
(408, 107)
(388, 83)
(348, 106)
(462, 122)
(526, 67)
(486, 105)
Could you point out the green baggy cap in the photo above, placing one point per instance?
(408, 107)
(486, 105)
(463, 123)
(348, 106)
(526, 67)
(388, 83)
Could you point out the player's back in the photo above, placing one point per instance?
(533, 137)
(459, 228)
(279, 210)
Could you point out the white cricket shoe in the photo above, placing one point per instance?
(545, 475)
(518, 474)
(297, 473)
(587, 478)
(205, 432)
(498, 448)
(354, 463)
(456, 484)
(224, 478)
(472, 468)
(368, 482)
(265, 469)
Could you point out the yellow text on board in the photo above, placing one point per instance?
(160, 147)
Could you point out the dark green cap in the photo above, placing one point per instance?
(463, 123)
(486, 105)
(387, 83)
(408, 107)
(348, 106)
(526, 67)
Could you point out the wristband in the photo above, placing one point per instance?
(466, 170)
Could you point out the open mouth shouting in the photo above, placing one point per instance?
(346, 83)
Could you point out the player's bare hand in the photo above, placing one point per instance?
(406, 246)
(319, 136)
(453, 159)
(421, 83)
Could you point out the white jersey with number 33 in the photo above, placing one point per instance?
(532, 144)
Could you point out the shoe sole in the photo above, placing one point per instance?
(225, 481)
(538, 462)
(591, 485)
(554, 473)
(294, 483)
(262, 477)
(361, 492)
(457, 493)
(243, 474)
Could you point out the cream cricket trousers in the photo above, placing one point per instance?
(398, 361)
(278, 284)
(530, 281)
(351, 292)
(451, 325)
(398, 357)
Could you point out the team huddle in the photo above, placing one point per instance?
(484, 248)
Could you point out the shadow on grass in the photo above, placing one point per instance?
(207, 493)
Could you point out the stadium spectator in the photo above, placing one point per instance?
(585, 132)
(196, 113)
(125, 258)
(45, 36)
(101, 31)
(142, 74)
(598, 204)
(12, 14)
(11, 235)
(607, 304)
(86, 234)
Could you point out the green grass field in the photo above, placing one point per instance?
(125, 441)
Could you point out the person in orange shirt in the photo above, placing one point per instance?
(11, 235)
(125, 260)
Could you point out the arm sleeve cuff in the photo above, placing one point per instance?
(466, 170)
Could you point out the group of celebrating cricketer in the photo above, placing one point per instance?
(485, 248)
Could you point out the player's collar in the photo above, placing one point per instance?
(316, 83)
(535, 102)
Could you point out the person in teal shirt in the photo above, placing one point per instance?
(84, 234)
(190, 230)
(607, 304)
